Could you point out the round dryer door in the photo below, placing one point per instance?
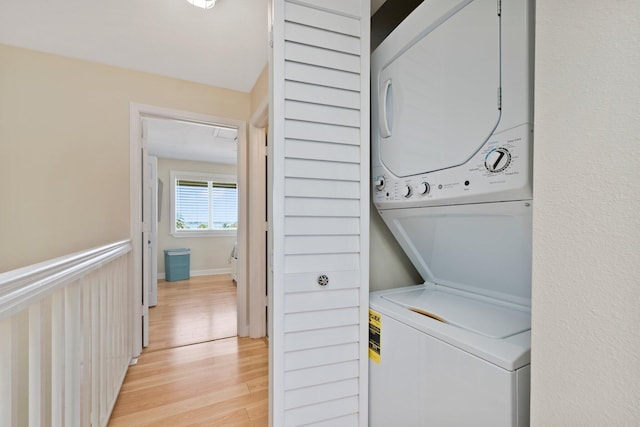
(439, 98)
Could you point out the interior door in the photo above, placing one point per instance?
(153, 232)
(146, 234)
(319, 169)
(267, 219)
(257, 231)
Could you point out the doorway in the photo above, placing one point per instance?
(194, 232)
(140, 227)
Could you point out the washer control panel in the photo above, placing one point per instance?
(501, 168)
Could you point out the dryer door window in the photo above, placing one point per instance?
(438, 100)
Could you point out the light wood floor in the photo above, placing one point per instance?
(191, 311)
(221, 382)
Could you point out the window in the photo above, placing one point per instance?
(203, 204)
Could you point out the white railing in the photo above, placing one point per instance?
(65, 338)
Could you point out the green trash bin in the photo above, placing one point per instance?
(177, 264)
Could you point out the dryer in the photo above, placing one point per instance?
(452, 114)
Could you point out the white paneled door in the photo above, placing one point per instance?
(319, 290)
(146, 236)
(152, 242)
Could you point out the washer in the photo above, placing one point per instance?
(451, 150)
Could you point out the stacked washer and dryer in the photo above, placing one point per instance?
(452, 115)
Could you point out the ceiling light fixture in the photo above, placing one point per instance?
(204, 4)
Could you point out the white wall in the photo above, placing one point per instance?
(208, 254)
(586, 263)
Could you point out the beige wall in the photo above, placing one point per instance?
(586, 256)
(389, 267)
(260, 90)
(207, 253)
(64, 148)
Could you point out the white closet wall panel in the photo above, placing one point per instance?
(320, 212)
(298, 206)
(347, 8)
(321, 244)
(303, 168)
(321, 263)
(322, 188)
(297, 149)
(320, 338)
(300, 378)
(347, 420)
(297, 72)
(322, 113)
(321, 225)
(321, 95)
(310, 320)
(326, 39)
(321, 132)
(296, 52)
(306, 13)
(307, 415)
(318, 356)
(327, 300)
(316, 394)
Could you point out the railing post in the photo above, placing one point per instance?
(72, 355)
(57, 359)
(7, 396)
(36, 389)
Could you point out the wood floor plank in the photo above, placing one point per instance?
(200, 309)
(215, 382)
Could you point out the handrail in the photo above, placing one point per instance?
(66, 329)
(24, 286)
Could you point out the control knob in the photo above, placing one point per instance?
(379, 183)
(424, 188)
(497, 160)
(406, 191)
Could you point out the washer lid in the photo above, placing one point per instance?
(481, 248)
(438, 99)
(511, 349)
(473, 314)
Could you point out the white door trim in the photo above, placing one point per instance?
(137, 111)
(257, 221)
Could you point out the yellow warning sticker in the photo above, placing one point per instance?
(375, 326)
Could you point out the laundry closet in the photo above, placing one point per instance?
(451, 147)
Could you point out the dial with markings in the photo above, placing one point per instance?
(497, 160)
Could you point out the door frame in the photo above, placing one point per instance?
(136, 113)
(257, 221)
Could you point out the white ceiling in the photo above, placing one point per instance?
(225, 46)
(174, 139)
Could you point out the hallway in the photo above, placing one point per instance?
(194, 372)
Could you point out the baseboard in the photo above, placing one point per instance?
(210, 272)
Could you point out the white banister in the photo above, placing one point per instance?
(66, 338)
